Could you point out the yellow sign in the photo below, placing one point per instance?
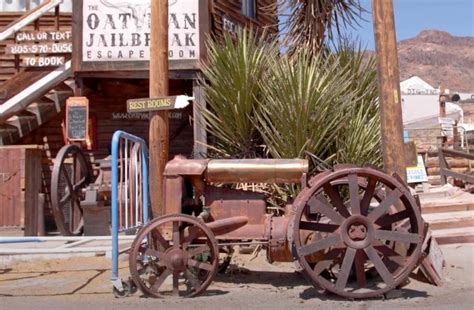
(150, 104)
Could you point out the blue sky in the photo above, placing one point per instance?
(413, 16)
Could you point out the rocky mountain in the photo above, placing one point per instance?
(439, 58)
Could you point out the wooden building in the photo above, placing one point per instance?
(100, 50)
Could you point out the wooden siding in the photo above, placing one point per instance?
(107, 101)
(8, 66)
(19, 187)
(232, 9)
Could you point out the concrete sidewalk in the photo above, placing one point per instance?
(82, 282)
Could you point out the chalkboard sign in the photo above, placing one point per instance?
(77, 116)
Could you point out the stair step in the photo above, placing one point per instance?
(454, 235)
(454, 206)
(450, 220)
(8, 134)
(59, 96)
(43, 110)
(40, 105)
(25, 122)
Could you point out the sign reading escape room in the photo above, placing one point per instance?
(120, 30)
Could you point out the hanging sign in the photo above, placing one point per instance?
(36, 47)
(77, 118)
(120, 30)
(157, 104)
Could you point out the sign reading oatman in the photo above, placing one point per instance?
(119, 31)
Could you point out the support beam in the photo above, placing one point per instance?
(199, 125)
(389, 87)
(159, 125)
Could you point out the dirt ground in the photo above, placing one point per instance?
(81, 282)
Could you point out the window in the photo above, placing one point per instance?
(249, 8)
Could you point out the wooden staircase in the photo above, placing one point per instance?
(30, 97)
(451, 218)
(44, 100)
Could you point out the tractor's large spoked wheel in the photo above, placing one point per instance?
(174, 255)
(71, 174)
(357, 232)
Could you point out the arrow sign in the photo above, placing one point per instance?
(158, 103)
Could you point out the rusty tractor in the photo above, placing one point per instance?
(355, 232)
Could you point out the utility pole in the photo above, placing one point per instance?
(389, 87)
(159, 127)
(442, 113)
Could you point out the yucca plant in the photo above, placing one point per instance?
(359, 141)
(302, 106)
(265, 104)
(232, 89)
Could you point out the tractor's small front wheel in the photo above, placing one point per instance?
(174, 255)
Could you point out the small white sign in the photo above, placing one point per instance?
(446, 126)
(417, 174)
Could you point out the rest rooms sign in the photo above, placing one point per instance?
(120, 30)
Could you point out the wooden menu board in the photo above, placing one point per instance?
(77, 118)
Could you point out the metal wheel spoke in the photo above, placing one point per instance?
(318, 205)
(389, 219)
(65, 199)
(175, 283)
(75, 214)
(193, 233)
(336, 199)
(385, 250)
(198, 250)
(360, 268)
(156, 235)
(354, 194)
(192, 279)
(322, 227)
(390, 254)
(320, 245)
(345, 268)
(368, 195)
(68, 180)
(80, 184)
(154, 253)
(159, 281)
(176, 235)
(385, 204)
(379, 265)
(322, 265)
(200, 265)
(397, 236)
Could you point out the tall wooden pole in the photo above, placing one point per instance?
(389, 87)
(159, 128)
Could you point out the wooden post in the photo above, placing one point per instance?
(200, 135)
(389, 87)
(159, 127)
(442, 114)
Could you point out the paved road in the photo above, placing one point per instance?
(82, 283)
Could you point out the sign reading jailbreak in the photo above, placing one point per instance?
(151, 104)
(120, 30)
